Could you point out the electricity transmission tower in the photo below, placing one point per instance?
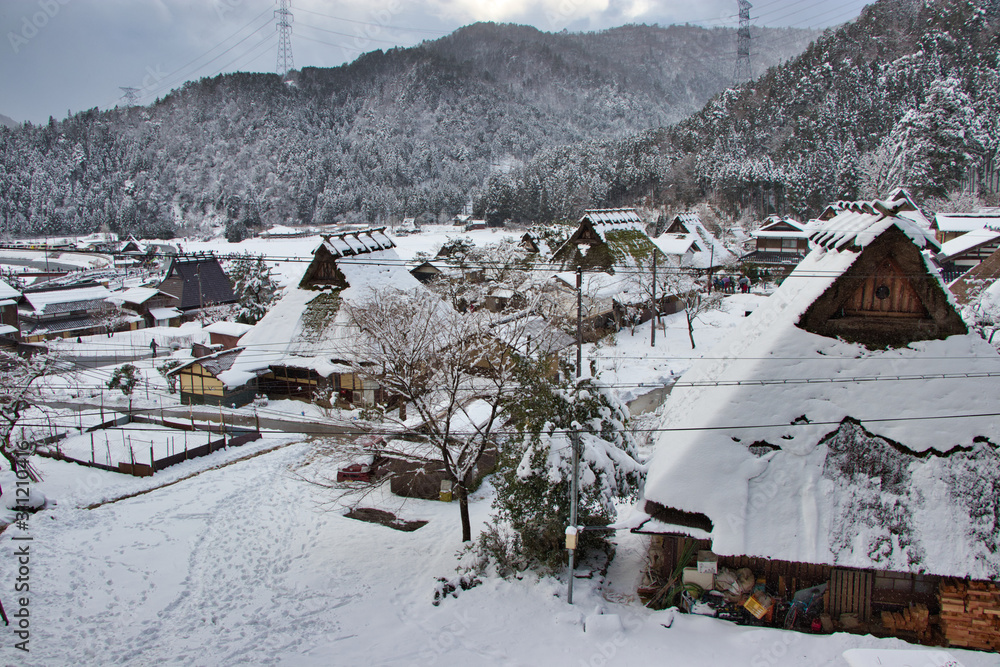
(131, 96)
(283, 22)
(743, 71)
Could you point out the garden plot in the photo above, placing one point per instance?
(133, 443)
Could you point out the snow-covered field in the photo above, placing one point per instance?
(249, 564)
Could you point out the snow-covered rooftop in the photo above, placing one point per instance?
(768, 229)
(760, 436)
(309, 328)
(164, 313)
(355, 243)
(8, 292)
(42, 302)
(623, 217)
(235, 329)
(136, 295)
(967, 241)
(966, 222)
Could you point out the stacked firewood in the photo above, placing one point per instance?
(916, 619)
(970, 614)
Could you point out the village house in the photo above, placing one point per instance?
(199, 282)
(10, 327)
(67, 313)
(222, 336)
(616, 258)
(948, 226)
(425, 272)
(156, 307)
(199, 384)
(608, 240)
(966, 251)
(689, 241)
(304, 347)
(843, 438)
(779, 245)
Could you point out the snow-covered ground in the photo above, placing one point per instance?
(235, 559)
(249, 564)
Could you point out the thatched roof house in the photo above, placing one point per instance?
(304, 345)
(846, 433)
(608, 240)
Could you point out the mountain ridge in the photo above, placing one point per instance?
(403, 132)
(905, 95)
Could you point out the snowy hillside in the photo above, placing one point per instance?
(407, 132)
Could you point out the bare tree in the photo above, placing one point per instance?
(19, 391)
(697, 304)
(447, 368)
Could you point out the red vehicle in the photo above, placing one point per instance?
(356, 472)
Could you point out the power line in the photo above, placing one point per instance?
(662, 429)
(746, 382)
(377, 25)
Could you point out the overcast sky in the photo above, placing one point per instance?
(61, 56)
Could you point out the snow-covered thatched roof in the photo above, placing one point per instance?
(688, 239)
(605, 219)
(607, 240)
(308, 328)
(790, 445)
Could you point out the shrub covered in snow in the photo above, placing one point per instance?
(534, 477)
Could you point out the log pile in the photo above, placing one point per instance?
(916, 619)
(970, 614)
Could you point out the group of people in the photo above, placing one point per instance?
(728, 284)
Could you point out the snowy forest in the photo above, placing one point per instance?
(908, 94)
(407, 132)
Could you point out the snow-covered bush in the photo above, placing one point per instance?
(533, 479)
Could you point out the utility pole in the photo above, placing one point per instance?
(743, 71)
(579, 321)
(573, 530)
(283, 23)
(131, 96)
(655, 308)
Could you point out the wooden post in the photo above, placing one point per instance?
(152, 461)
(92, 447)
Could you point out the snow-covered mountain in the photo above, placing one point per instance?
(908, 94)
(405, 132)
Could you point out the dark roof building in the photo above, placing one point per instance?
(198, 281)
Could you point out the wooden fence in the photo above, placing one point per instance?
(230, 437)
